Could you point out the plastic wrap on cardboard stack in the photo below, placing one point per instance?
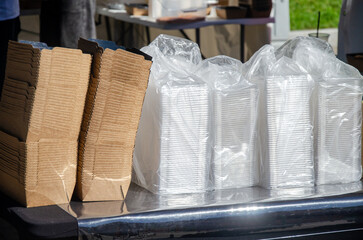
(337, 114)
(234, 118)
(113, 107)
(41, 112)
(285, 120)
(172, 152)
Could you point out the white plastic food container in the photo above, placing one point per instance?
(177, 8)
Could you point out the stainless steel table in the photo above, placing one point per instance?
(324, 212)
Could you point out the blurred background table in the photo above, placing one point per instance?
(122, 16)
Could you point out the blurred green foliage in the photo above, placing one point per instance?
(304, 13)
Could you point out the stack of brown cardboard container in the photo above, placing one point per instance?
(118, 83)
(41, 112)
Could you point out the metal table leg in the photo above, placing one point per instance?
(123, 29)
(184, 34)
(148, 34)
(108, 28)
(197, 36)
(242, 41)
(130, 36)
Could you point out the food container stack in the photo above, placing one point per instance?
(166, 10)
(172, 153)
(183, 134)
(337, 110)
(338, 134)
(288, 132)
(114, 100)
(285, 127)
(234, 117)
(41, 112)
(234, 162)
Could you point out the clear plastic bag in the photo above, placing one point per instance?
(234, 117)
(200, 118)
(285, 129)
(337, 110)
(337, 114)
(289, 130)
(335, 106)
(172, 152)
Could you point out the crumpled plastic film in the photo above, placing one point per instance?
(172, 152)
(306, 51)
(234, 117)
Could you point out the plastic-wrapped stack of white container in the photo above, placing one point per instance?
(172, 152)
(289, 117)
(233, 117)
(336, 108)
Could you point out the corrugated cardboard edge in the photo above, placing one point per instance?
(48, 165)
(97, 63)
(96, 209)
(50, 172)
(86, 177)
(92, 48)
(104, 186)
(56, 66)
(46, 123)
(18, 126)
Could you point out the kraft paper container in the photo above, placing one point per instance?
(115, 96)
(41, 111)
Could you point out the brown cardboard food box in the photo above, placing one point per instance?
(38, 173)
(53, 109)
(41, 111)
(118, 83)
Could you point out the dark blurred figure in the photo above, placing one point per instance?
(63, 22)
(350, 35)
(9, 30)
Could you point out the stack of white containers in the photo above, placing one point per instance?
(289, 132)
(234, 117)
(171, 153)
(184, 137)
(337, 110)
(338, 140)
(177, 9)
(332, 108)
(287, 118)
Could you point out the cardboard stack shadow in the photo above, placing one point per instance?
(41, 112)
(117, 87)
